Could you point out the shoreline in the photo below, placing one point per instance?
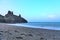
(41, 27)
(25, 33)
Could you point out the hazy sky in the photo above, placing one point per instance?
(33, 10)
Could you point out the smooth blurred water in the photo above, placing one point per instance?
(44, 25)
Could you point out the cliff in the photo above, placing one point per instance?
(11, 18)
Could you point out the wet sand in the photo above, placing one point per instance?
(8, 32)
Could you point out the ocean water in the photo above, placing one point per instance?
(44, 25)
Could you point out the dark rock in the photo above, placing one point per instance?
(23, 34)
(19, 37)
(30, 35)
(41, 38)
(0, 33)
(10, 33)
(11, 18)
(16, 31)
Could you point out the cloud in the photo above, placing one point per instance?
(51, 16)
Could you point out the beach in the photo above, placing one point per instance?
(9, 32)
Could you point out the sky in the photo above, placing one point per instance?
(33, 10)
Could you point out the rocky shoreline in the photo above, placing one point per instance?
(8, 32)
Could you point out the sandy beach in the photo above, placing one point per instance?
(8, 32)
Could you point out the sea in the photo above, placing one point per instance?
(43, 25)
